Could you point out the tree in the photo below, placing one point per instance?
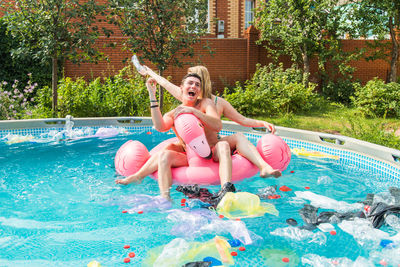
(380, 18)
(301, 29)
(55, 30)
(17, 68)
(161, 32)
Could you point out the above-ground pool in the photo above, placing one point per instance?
(60, 206)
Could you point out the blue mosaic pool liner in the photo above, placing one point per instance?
(382, 169)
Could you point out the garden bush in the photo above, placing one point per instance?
(124, 94)
(13, 68)
(339, 91)
(272, 91)
(378, 99)
(16, 103)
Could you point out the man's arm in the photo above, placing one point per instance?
(170, 87)
(161, 123)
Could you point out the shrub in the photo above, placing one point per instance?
(124, 94)
(272, 90)
(15, 103)
(378, 99)
(16, 68)
(340, 91)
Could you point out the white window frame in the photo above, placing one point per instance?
(248, 13)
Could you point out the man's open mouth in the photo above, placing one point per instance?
(191, 93)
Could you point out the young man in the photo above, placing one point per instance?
(174, 155)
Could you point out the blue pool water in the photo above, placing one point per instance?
(61, 207)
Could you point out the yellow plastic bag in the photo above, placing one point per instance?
(244, 205)
(179, 251)
(94, 264)
(314, 154)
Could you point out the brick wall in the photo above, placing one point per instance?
(233, 60)
(367, 70)
(233, 19)
(226, 66)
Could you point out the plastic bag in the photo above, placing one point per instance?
(244, 205)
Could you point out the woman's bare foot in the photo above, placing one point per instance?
(128, 180)
(268, 171)
(166, 195)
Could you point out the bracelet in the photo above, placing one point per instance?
(153, 106)
(153, 100)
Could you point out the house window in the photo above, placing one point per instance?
(201, 16)
(248, 13)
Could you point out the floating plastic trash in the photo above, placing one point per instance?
(141, 203)
(313, 154)
(214, 261)
(15, 139)
(326, 227)
(363, 231)
(244, 205)
(223, 250)
(324, 202)
(385, 257)
(284, 188)
(393, 221)
(297, 234)
(107, 132)
(94, 264)
(179, 252)
(324, 180)
(280, 257)
(291, 222)
(200, 222)
(316, 260)
(386, 243)
(266, 192)
(234, 242)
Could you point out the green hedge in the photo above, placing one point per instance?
(124, 94)
(339, 91)
(273, 91)
(16, 69)
(377, 98)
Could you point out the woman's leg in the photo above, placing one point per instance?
(166, 160)
(150, 166)
(245, 148)
(222, 153)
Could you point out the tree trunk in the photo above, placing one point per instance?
(54, 80)
(395, 52)
(306, 66)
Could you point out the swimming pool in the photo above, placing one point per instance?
(60, 206)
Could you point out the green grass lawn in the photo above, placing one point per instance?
(340, 120)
